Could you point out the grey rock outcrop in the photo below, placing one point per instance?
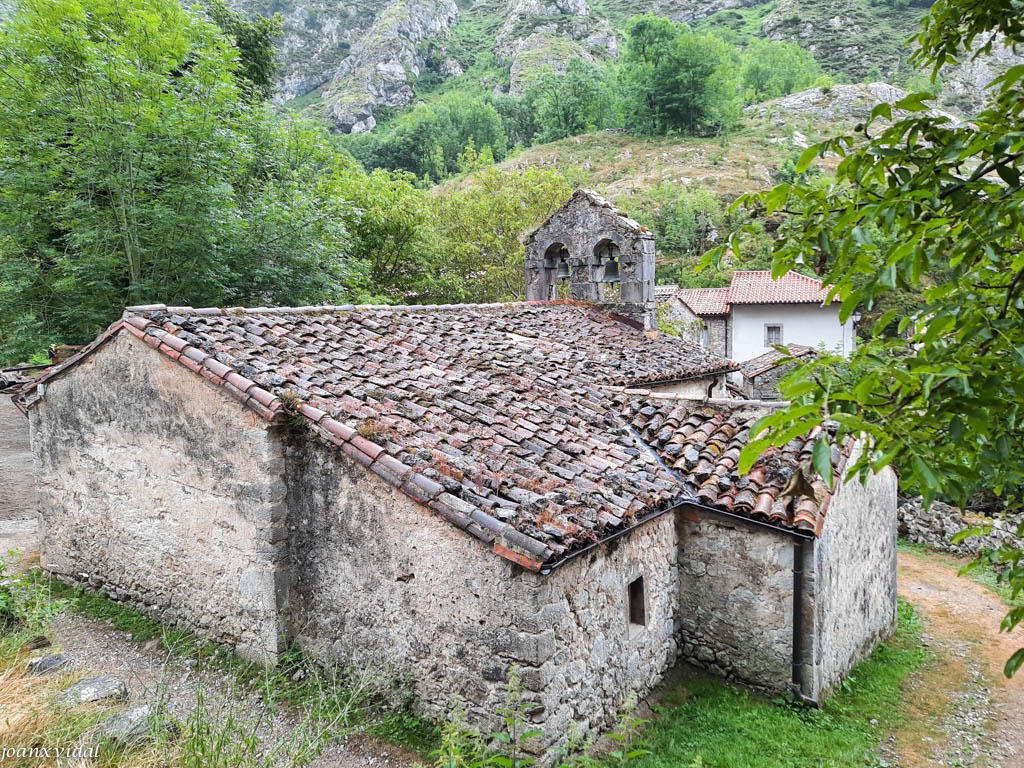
(964, 86)
(49, 664)
(378, 70)
(840, 102)
(936, 527)
(131, 726)
(91, 689)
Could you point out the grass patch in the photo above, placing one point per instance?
(333, 699)
(707, 723)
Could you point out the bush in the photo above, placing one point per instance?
(25, 600)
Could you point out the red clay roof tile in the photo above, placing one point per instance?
(758, 287)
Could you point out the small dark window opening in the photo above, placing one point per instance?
(637, 610)
(772, 335)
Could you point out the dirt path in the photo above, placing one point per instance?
(152, 674)
(982, 723)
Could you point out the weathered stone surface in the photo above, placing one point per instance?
(839, 102)
(735, 600)
(181, 519)
(586, 235)
(47, 665)
(17, 492)
(855, 575)
(600, 653)
(129, 727)
(378, 70)
(936, 527)
(92, 689)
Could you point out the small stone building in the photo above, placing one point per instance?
(761, 375)
(447, 491)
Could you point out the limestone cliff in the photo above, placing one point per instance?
(344, 59)
(378, 70)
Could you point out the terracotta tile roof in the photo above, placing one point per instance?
(496, 416)
(18, 376)
(705, 301)
(769, 360)
(500, 418)
(792, 288)
(702, 445)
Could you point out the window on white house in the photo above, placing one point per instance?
(772, 335)
(637, 607)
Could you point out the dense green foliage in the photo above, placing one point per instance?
(688, 223)
(428, 140)
(670, 81)
(923, 204)
(133, 170)
(578, 101)
(709, 724)
(676, 80)
(772, 69)
(480, 223)
(255, 40)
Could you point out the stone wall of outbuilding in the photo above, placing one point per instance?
(736, 599)
(601, 654)
(161, 491)
(381, 582)
(855, 567)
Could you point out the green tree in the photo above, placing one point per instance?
(480, 223)
(256, 41)
(571, 103)
(428, 140)
(923, 204)
(132, 170)
(677, 81)
(772, 69)
(391, 225)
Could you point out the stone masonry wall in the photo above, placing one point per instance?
(855, 558)
(718, 336)
(736, 600)
(766, 385)
(936, 526)
(164, 493)
(381, 582)
(600, 655)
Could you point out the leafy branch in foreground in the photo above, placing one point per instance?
(926, 204)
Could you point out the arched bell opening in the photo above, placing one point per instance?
(557, 270)
(606, 262)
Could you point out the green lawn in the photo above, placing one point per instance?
(703, 722)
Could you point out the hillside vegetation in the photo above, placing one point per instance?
(354, 63)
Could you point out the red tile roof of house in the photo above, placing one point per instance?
(754, 287)
(705, 301)
(702, 445)
(503, 419)
(792, 288)
(755, 366)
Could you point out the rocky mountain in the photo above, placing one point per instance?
(347, 59)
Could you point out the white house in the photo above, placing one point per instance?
(755, 312)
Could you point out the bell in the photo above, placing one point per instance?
(611, 271)
(563, 270)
